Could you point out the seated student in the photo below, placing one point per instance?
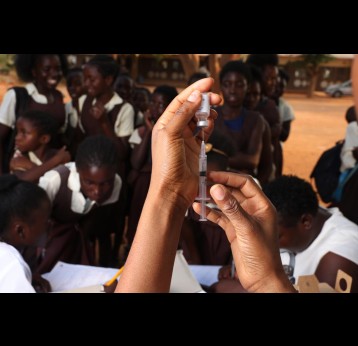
(34, 156)
(86, 203)
(141, 100)
(24, 214)
(323, 240)
(247, 216)
(206, 243)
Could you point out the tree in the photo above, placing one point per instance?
(311, 63)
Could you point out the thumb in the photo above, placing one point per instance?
(184, 113)
(235, 214)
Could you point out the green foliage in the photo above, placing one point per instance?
(312, 62)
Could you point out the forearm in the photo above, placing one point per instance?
(139, 154)
(150, 262)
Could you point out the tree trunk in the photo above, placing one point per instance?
(190, 64)
(312, 86)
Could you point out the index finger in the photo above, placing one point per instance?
(203, 85)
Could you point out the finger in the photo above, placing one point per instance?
(184, 114)
(202, 85)
(236, 216)
(218, 218)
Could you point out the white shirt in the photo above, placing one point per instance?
(51, 183)
(135, 139)
(338, 235)
(7, 108)
(285, 110)
(351, 141)
(15, 274)
(124, 124)
(71, 114)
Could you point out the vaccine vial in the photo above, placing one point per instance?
(203, 112)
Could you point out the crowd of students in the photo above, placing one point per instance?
(117, 153)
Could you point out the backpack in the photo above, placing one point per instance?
(22, 98)
(326, 172)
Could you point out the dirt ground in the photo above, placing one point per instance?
(319, 124)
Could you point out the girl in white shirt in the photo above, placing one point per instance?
(24, 214)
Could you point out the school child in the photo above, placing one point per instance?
(103, 111)
(86, 199)
(141, 99)
(141, 158)
(42, 72)
(24, 214)
(34, 156)
(75, 88)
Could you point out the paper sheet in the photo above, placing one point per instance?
(73, 278)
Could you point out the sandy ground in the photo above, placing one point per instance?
(319, 124)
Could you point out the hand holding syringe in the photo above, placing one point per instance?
(202, 114)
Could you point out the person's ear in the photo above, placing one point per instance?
(108, 80)
(307, 220)
(20, 231)
(45, 139)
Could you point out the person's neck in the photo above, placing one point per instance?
(105, 97)
(231, 112)
(318, 222)
(43, 90)
(42, 152)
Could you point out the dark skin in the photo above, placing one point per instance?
(139, 154)
(298, 238)
(124, 87)
(31, 232)
(234, 88)
(47, 74)
(100, 87)
(252, 100)
(269, 79)
(97, 182)
(29, 139)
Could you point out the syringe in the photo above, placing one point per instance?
(202, 182)
(202, 115)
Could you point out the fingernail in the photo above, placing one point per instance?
(194, 96)
(218, 192)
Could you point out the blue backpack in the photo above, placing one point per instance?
(326, 172)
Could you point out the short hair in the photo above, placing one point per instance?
(169, 93)
(262, 60)
(97, 151)
(351, 114)
(256, 74)
(292, 197)
(141, 90)
(72, 72)
(106, 65)
(236, 66)
(283, 75)
(44, 122)
(196, 76)
(18, 198)
(24, 64)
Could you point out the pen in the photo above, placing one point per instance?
(110, 282)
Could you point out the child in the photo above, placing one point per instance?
(141, 99)
(42, 72)
(34, 156)
(24, 213)
(141, 158)
(103, 110)
(86, 199)
(75, 88)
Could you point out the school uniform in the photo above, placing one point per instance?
(75, 218)
(15, 274)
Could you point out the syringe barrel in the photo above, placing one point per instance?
(204, 111)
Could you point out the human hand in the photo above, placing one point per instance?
(98, 111)
(227, 286)
(40, 284)
(225, 273)
(62, 156)
(250, 222)
(148, 120)
(21, 163)
(175, 150)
